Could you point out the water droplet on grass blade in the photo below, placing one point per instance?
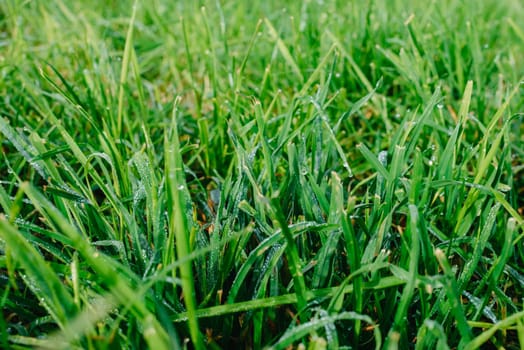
(383, 158)
(348, 169)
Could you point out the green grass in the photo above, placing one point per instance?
(262, 174)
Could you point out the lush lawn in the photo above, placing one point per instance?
(245, 174)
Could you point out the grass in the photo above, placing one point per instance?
(265, 174)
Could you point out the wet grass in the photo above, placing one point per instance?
(261, 174)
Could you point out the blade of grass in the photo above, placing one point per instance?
(453, 294)
(295, 265)
(489, 142)
(371, 158)
(178, 226)
(485, 336)
(286, 299)
(304, 329)
(396, 335)
(122, 121)
(282, 47)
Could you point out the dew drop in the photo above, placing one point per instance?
(383, 157)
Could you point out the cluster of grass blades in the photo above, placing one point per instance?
(277, 175)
